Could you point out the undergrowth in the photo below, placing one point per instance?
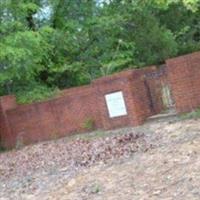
(2, 149)
(192, 115)
(37, 94)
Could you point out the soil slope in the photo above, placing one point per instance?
(160, 160)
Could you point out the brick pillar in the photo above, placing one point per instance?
(6, 103)
(184, 77)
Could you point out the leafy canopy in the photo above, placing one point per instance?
(51, 44)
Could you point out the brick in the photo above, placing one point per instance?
(66, 114)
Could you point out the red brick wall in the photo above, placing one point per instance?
(6, 103)
(184, 78)
(54, 118)
(110, 84)
(141, 101)
(67, 113)
(131, 83)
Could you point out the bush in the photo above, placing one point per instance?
(38, 93)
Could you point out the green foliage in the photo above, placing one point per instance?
(153, 42)
(2, 149)
(47, 44)
(96, 188)
(192, 115)
(185, 26)
(88, 124)
(36, 93)
(21, 56)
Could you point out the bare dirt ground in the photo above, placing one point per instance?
(160, 160)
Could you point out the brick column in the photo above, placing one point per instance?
(184, 77)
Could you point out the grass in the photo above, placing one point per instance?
(192, 115)
(95, 189)
(88, 124)
(91, 136)
(96, 134)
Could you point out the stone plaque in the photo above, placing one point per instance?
(116, 104)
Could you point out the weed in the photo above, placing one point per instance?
(19, 142)
(95, 189)
(54, 135)
(2, 149)
(192, 115)
(88, 124)
(91, 136)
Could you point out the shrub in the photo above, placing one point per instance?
(37, 93)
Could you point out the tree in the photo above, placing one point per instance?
(49, 44)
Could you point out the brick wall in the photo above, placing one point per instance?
(125, 83)
(132, 84)
(184, 78)
(67, 114)
(141, 98)
(6, 102)
(54, 118)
